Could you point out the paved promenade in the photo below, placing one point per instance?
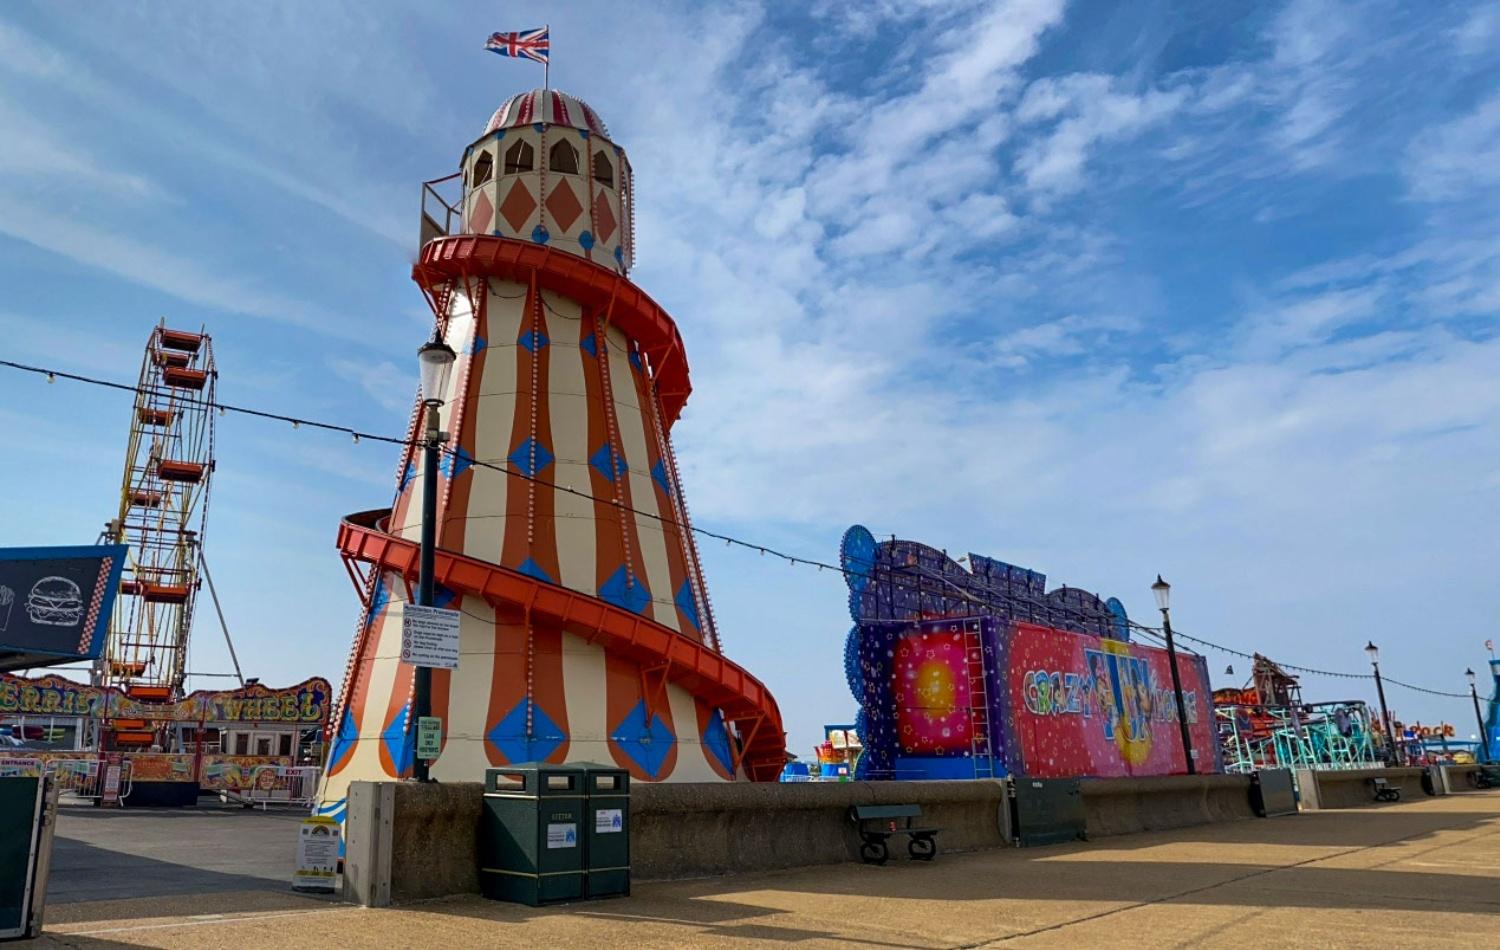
(1421, 873)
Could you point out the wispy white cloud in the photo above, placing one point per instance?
(383, 381)
(1088, 110)
(1479, 31)
(185, 278)
(1459, 158)
(36, 160)
(1072, 335)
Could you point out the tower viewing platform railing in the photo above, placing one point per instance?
(439, 215)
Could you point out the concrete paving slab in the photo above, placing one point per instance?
(107, 853)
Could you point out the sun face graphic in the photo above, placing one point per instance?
(931, 685)
(937, 689)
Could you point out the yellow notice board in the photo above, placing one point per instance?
(317, 855)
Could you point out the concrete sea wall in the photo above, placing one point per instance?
(408, 842)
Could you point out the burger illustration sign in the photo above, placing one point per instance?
(55, 603)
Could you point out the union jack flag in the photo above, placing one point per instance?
(532, 44)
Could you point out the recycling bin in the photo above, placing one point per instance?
(531, 849)
(607, 830)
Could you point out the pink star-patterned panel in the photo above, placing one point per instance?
(933, 693)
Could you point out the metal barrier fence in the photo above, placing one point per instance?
(112, 780)
(82, 778)
(76, 779)
(300, 782)
(295, 785)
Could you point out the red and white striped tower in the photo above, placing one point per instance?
(586, 633)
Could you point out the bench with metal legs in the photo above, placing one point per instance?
(879, 823)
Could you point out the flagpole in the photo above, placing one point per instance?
(547, 66)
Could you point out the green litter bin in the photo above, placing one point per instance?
(607, 830)
(531, 845)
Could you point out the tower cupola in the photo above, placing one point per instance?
(546, 171)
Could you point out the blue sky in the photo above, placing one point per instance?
(1102, 289)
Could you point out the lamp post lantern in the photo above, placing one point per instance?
(435, 359)
(1373, 652)
(1163, 593)
(1483, 750)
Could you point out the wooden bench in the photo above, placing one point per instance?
(1385, 791)
(878, 823)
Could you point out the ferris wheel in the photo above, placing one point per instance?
(169, 463)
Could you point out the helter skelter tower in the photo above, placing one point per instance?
(586, 631)
(169, 462)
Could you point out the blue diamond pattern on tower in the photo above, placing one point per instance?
(608, 462)
(589, 345)
(531, 568)
(533, 340)
(380, 598)
(408, 473)
(478, 346)
(455, 463)
(716, 741)
(619, 591)
(400, 744)
(343, 741)
(687, 604)
(646, 743)
(521, 458)
(442, 596)
(659, 474)
(509, 734)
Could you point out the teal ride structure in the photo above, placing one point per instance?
(1266, 725)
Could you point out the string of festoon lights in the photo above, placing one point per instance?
(890, 576)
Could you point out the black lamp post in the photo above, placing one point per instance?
(1373, 652)
(1483, 750)
(436, 359)
(1163, 592)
